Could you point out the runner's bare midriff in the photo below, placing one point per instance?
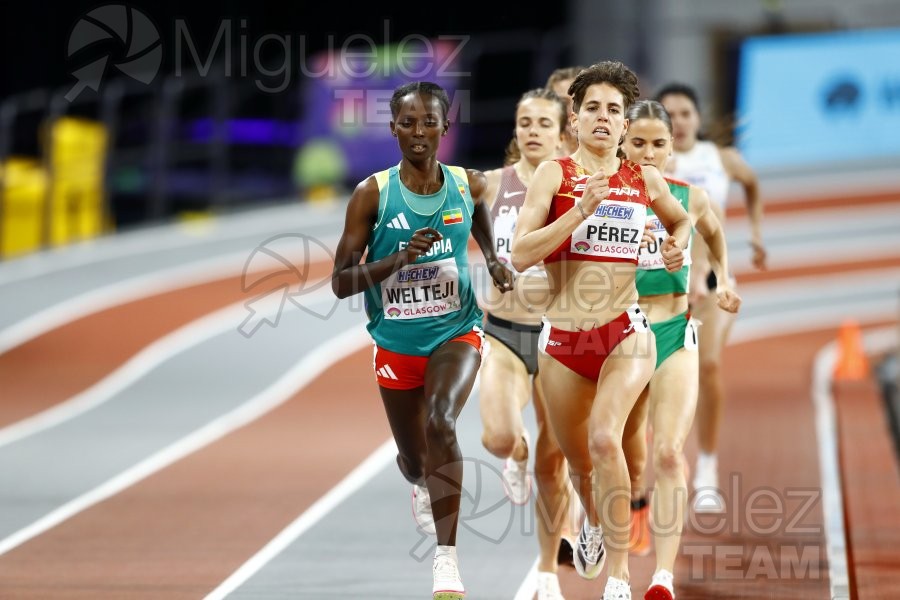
(663, 307)
(589, 294)
(526, 304)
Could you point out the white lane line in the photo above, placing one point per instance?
(136, 288)
(145, 361)
(304, 372)
(315, 513)
(797, 319)
(357, 478)
(217, 268)
(829, 472)
(829, 464)
(117, 293)
(816, 289)
(264, 222)
(528, 588)
(807, 254)
(758, 329)
(860, 229)
(785, 187)
(784, 224)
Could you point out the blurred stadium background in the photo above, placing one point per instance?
(120, 123)
(123, 115)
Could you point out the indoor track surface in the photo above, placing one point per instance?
(188, 412)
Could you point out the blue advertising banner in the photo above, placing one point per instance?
(819, 99)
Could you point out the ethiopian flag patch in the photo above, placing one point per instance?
(452, 216)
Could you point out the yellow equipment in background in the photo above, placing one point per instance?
(23, 190)
(60, 200)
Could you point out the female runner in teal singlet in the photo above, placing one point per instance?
(412, 222)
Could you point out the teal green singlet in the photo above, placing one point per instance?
(428, 302)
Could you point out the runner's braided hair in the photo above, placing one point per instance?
(420, 87)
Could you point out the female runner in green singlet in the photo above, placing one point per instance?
(671, 395)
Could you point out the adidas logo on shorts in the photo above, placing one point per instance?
(387, 372)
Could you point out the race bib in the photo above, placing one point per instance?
(613, 231)
(650, 258)
(427, 290)
(504, 230)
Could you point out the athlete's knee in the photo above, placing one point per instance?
(411, 467)
(499, 442)
(550, 482)
(668, 460)
(549, 461)
(604, 445)
(440, 429)
(550, 470)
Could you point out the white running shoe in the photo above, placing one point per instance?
(447, 584)
(708, 500)
(421, 504)
(548, 587)
(707, 497)
(661, 586)
(589, 553)
(616, 589)
(516, 480)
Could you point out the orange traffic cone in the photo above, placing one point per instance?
(852, 363)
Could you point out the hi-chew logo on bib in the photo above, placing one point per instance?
(452, 216)
(614, 211)
(614, 231)
(417, 291)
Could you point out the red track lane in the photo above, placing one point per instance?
(768, 445)
(181, 532)
(84, 351)
(817, 203)
(67, 360)
(889, 262)
(871, 490)
(184, 530)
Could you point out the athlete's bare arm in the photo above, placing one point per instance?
(483, 231)
(532, 241)
(738, 169)
(709, 227)
(492, 179)
(349, 277)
